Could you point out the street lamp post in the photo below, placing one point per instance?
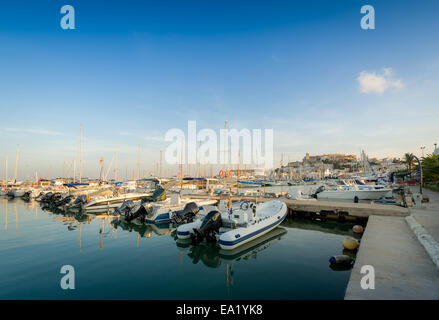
(420, 174)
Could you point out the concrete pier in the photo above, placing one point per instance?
(403, 267)
(359, 210)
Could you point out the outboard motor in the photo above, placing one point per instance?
(125, 208)
(319, 189)
(186, 215)
(136, 212)
(79, 201)
(209, 227)
(26, 196)
(45, 197)
(63, 201)
(56, 197)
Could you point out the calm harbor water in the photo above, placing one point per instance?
(115, 260)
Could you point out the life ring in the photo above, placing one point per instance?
(221, 173)
(228, 174)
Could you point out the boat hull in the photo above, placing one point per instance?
(237, 237)
(351, 194)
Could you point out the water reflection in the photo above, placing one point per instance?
(212, 256)
(295, 255)
(328, 227)
(145, 230)
(208, 254)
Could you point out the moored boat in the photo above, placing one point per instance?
(235, 227)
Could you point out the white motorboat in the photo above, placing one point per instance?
(17, 193)
(165, 211)
(233, 228)
(110, 203)
(299, 195)
(353, 192)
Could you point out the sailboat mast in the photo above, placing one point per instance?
(161, 163)
(16, 164)
(237, 177)
(225, 140)
(74, 171)
(181, 163)
(6, 170)
(63, 170)
(115, 167)
(80, 154)
(138, 163)
(102, 169)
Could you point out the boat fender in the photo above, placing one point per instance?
(350, 244)
(358, 229)
(341, 260)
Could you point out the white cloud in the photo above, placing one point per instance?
(371, 82)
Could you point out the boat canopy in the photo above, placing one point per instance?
(256, 183)
(75, 184)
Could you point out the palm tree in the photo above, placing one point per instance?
(430, 167)
(409, 159)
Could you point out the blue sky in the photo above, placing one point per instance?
(131, 71)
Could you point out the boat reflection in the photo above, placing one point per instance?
(145, 230)
(328, 226)
(212, 256)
